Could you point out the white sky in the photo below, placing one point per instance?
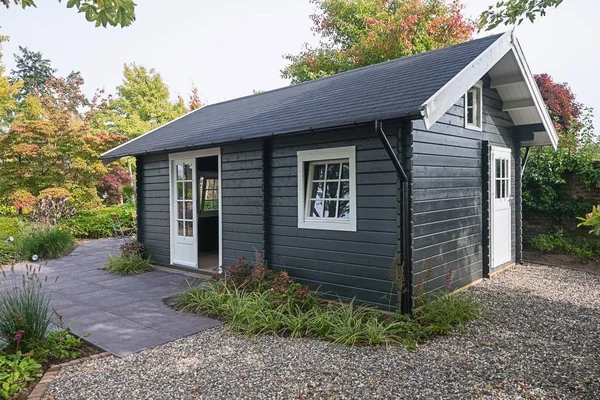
(227, 49)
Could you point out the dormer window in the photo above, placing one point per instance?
(473, 107)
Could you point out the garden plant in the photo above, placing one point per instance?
(131, 261)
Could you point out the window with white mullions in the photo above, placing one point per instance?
(473, 107)
(502, 179)
(329, 189)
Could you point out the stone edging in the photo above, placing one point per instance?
(40, 389)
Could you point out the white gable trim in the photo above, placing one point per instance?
(438, 104)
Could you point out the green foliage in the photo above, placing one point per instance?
(364, 32)
(510, 12)
(9, 250)
(544, 184)
(591, 220)
(128, 264)
(24, 306)
(9, 90)
(96, 223)
(102, 13)
(16, 372)
(33, 70)
(561, 244)
(46, 242)
(255, 300)
(59, 346)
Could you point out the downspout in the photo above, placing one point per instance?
(525, 159)
(406, 302)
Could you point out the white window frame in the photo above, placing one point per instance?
(477, 107)
(334, 224)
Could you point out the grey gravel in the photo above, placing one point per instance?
(540, 339)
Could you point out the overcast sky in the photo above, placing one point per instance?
(227, 49)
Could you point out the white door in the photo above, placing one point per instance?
(183, 213)
(501, 209)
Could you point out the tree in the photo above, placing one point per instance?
(560, 101)
(510, 12)
(194, 102)
(8, 93)
(33, 70)
(105, 12)
(364, 32)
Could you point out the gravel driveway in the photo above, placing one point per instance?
(541, 340)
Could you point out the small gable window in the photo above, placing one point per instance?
(327, 189)
(473, 107)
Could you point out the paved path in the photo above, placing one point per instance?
(124, 315)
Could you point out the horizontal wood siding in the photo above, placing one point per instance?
(448, 192)
(153, 206)
(242, 186)
(345, 264)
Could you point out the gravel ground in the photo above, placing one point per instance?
(541, 339)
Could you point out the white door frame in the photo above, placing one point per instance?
(216, 151)
(504, 151)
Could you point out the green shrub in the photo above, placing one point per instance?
(96, 223)
(24, 306)
(16, 372)
(587, 248)
(59, 346)
(46, 242)
(128, 264)
(9, 250)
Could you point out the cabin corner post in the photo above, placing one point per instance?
(267, 172)
(406, 156)
(519, 167)
(485, 208)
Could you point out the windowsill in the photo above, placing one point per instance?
(344, 225)
(474, 127)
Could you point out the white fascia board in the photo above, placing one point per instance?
(107, 153)
(535, 93)
(438, 104)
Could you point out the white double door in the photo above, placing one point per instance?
(501, 206)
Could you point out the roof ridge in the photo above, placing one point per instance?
(354, 70)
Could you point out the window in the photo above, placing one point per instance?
(327, 189)
(473, 107)
(210, 194)
(185, 199)
(502, 179)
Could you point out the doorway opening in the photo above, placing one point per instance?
(208, 212)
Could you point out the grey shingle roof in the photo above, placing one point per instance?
(388, 90)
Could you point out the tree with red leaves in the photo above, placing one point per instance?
(194, 102)
(111, 185)
(560, 101)
(364, 32)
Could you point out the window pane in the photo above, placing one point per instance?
(345, 190)
(189, 228)
(470, 116)
(180, 228)
(179, 172)
(187, 172)
(498, 190)
(344, 210)
(345, 171)
(470, 98)
(333, 171)
(317, 190)
(189, 210)
(179, 190)
(331, 190)
(503, 189)
(180, 210)
(316, 208)
(319, 174)
(498, 167)
(330, 209)
(188, 191)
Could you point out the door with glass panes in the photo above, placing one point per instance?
(501, 206)
(183, 203)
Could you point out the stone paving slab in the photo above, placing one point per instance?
(122, 315)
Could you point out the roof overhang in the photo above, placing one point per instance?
(506, 65)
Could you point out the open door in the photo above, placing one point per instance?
(183, 213)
